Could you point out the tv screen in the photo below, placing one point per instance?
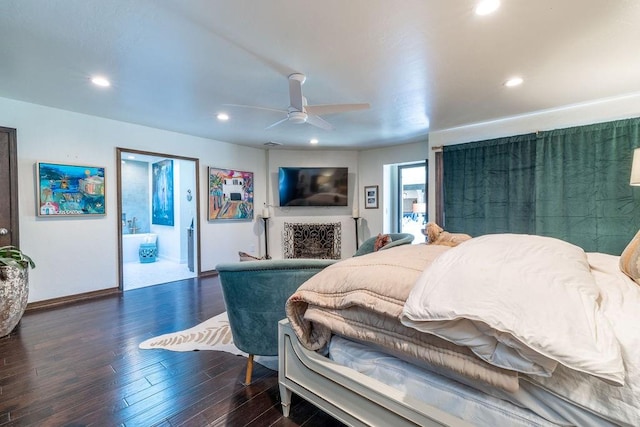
(313, 186)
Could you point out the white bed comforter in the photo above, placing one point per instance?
(535, 305)
(621, 306)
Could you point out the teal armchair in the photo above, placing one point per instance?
(255, 293)
(397, 239)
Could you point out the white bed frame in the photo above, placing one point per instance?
(346, 394)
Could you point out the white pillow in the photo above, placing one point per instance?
(520, 302)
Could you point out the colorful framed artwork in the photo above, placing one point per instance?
(70, 190)
(371, 197)
(162, 193)
(230, 194)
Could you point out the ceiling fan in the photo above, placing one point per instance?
(299, 112)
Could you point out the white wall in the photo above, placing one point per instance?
(280, 215)
(371, 165)
(76, 255)
(187, 208)
(574, 115)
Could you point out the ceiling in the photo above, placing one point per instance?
(422, 65)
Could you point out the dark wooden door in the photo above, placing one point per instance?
(9, 230)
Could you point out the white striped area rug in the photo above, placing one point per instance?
(212, 334)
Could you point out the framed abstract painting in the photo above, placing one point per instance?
(162, 193)
(70, 190)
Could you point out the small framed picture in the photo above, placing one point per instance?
(371, 197)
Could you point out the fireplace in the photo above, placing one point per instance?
(307, 240)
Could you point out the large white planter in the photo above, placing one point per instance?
(14, 293)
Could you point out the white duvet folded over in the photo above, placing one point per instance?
(520, 302)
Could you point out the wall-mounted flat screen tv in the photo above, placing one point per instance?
(323, 186)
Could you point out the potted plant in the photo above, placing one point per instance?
(14, 286)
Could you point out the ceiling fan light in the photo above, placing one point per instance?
(297, 117)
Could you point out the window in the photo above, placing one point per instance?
(412, 199)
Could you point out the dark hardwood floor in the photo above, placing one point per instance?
(80, 365)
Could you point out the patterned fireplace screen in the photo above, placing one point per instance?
(304, 240)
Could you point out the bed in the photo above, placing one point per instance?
(500, 330)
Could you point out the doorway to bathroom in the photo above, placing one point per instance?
(158, 207)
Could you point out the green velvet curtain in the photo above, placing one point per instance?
(567, 183)
(582, 185)
(489, 186)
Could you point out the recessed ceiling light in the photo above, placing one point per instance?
(100, 81)
(223, 117)
(313, 141)
(486, 7)
(514, 81)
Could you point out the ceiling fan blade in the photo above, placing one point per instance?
(334, 108)
(276, 123)
(295, 92)
(319, 122)
(254, 107)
